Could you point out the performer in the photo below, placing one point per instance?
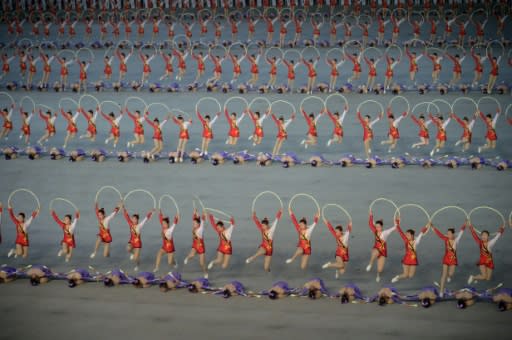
(273, 62)
(7, 117)
(503, 298)
(410, 259)
(380, 249)
(25, 125)
(479, 67)
(372, 72)
(198, 247)
(91, 117)
(342, 255)
(304, 246)
(423, 134)
(355, 58)
(183, 135)
(71, 129)
(311, 121)
(486, 262)
(114, 126)
(207, 131)
(254, 60)
(367, 131)
(6, 61)
(457, 68)
(200, 59)
(257, 120)
(116, 277)
(168, 59)
(217, 67)
(334, 64)
(490, 137)
(107, 67)
(168, 241)
(267, 235)
(47, 69)
(390, 65)
(311, 65)
(350, 293)
(441, 132)
(134, 245)
(123, 61)
(157, 134)
(314, 289)
(224, 250)
(50, 126)
(234, 288)
(22, 224)
(83, 74)
(68, 226)
(436, 64)
(337, 134)
(146, 68)
(234, 130)
(64, 71)
(104, 235)
(413, 64)
(270, 28)
(450, 253)
(467, 127)
(172, 281)
(138, 130)
(291, 65)
(279, 289)
(393, 133)
(182, 64)
(282, 135)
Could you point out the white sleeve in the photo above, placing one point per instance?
(141, 119)
(445, 124)
(150, 58)
(9, 115)
(471, 124)
(169, 231)
(397, 121)
(139, 226)
(317, 118)
(387, 232)
(240, 119)
(272, 229)
(286, 123)
(498, 60)
(493, 241)
(200, 230)
(186, 125)
(29, 118)
(95, 116)
(75, 117)
(262, 119)
(342, 118)
(27, 223)
(495, 119)
(418, 239)
(229, 231)
(374, 121)
(345, 238)
(161, 125)
(459, 236)
(107, 219)
(127, 57)
(428, 122)
(87, 66)
(213, 120)
(310, 229)
(50, 59)
(118, 119)
(73, 226)
(462, 59)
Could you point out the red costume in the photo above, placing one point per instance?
(68, 238)
(380, 244)
(224, 243)
(341, 248)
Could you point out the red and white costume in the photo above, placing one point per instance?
(367, 127)
(167, 239)
(183, 125)
(491, 126)
(341, 242)
(485, 248)
(234, 131)
(71, 121)
(423, 126)
(258, 124)
(338, 123)
(207, 126)
(114, 124)
(137, 122)
(157, 128)
(225, 246)
(7, 117)
(25, 127)
(21, 228)
(311, 124)
(441, 127)
(197, 237)
(450, 246)
(267, 235)
(91, 122)
(49, 121)
(69, 237)
(304, 235)
(393, 126)
(380, 238)
(410, 258)
(104, 230)
(467, 128)
(281, 127)
(135, 229)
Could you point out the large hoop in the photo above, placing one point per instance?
(271, 193)
(107, 187)
(382, 199)
(8, 96)
(109, 102)
(274, 48)
(289, 52)
(85, 49)
(412, 205)
(486, 208)
(30, 192)
(370, 101)
(394, 46)
(256, 99)
(324, 208)
(333, 96)
(428, 107)
(57, 199)
(438, 211)
(167, 109)
(489, 45)
(464, 98)
(208, 98)
(402, 98)
(144, 104)
(141, 191)
(333, 50)
(443, 102)
(88, 96)
(294, 197)
(308, 48)
(196, 198)
(237, 98)
(272, 107)
(488, 98)
(219, 212)
(61, 101)
(29, 99)
(169, 197)
(301, 107)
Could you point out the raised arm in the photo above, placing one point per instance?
(57, 219)
(294, 221)
(439, 234)
(474, 234)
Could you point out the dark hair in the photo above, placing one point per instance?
(461, 304)
(485, 232)
(207, 117)
(425, 302)
(163, 286)
(166, 220)
(339, 227)
(381, 222)
(264, 221)
(410, 231)
(215, 162)
(192, 288)
(314, 163)
(226, 293)
(136, 216)
(391, 116)
(220, 223)
(422, 117)
(272, 295)
(22, 215)
(303, 220)
(137, 283)
(71, 283)
(488, 116)
(344, 298)
(35, 281)
(197, 220)
(383, 301)
(312, 293)
(102, 211)
(451, 230)
(108, 282)
(502, 306)
(68, 216)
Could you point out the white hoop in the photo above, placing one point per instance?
(490, 45)
(488, 98)
(253, 209)
(335, 95)
(301, 107)
(237, 98)
(105, 102)
(91, 54)
(335, 206)
(31, 101)
(294, 197)
(167, 109)
(209, 98)
(27, 191)
(69, 99)
(402, 98)
(438, 211)
(305, 49)
(388, 49)
(8, 96)
(269, 104)
(173, 201)
(412, 205)
(487, 208)
(88, 96)
(142, 191)
(109, 187)
(370, 101)
(282, 101)
(144, 104)
(219, 212)
(463, 98)
(382, 199)
(52, 202)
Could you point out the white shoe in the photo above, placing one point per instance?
(448, 279)
(106, 141)
(470, 279)
(327, 266)
(185, 261)
(432, 152)
(368, 267)
(248, 261)
(67, 259)
(329, 142)
(205, 275)
(369, 150)
(128, 144)
(210, 265)
(377, 279)
(383, 142)
(302, 142)
(305, 146)
(175, 264)
(92, 255)
(479, 149)
(136, 269)
(181, 160)
(441, 295)
(395, 279)
(250, 137)
(59, 254)
(458, 142)
(11, 253)
(336, 274)
(289, 261)
(131, 257)
(389, 150)
(155, 269)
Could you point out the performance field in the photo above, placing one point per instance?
(330, 205)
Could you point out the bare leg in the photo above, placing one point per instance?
(106, 250)
(218, 260)
(96, 246)
(225, 261)
(298, 252)
(259, 252)
(158, 259)
(304, 261)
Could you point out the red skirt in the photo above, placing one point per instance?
(184, 135)
(441, 136)
(115, 131)
(267, 246)
(338, 131)
(22, 239)
(486, 261)
(382, 249)
(305, 246)
(393, 132)
(424, 134)
(135, 241)
(108, 70)
(258, 131)
(225, 247)
(198, 245)
(25, 129)
(168, 246)
(8, 125)
(139, 130)
(234, 132)
(5, 68)
(69, 240)
(410, 259)
(343, 253)
(450, 259)
(105, 235)
(91, 128)
(491, 135)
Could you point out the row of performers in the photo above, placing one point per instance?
(267, 228)
(257, 136)
(314, 288)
